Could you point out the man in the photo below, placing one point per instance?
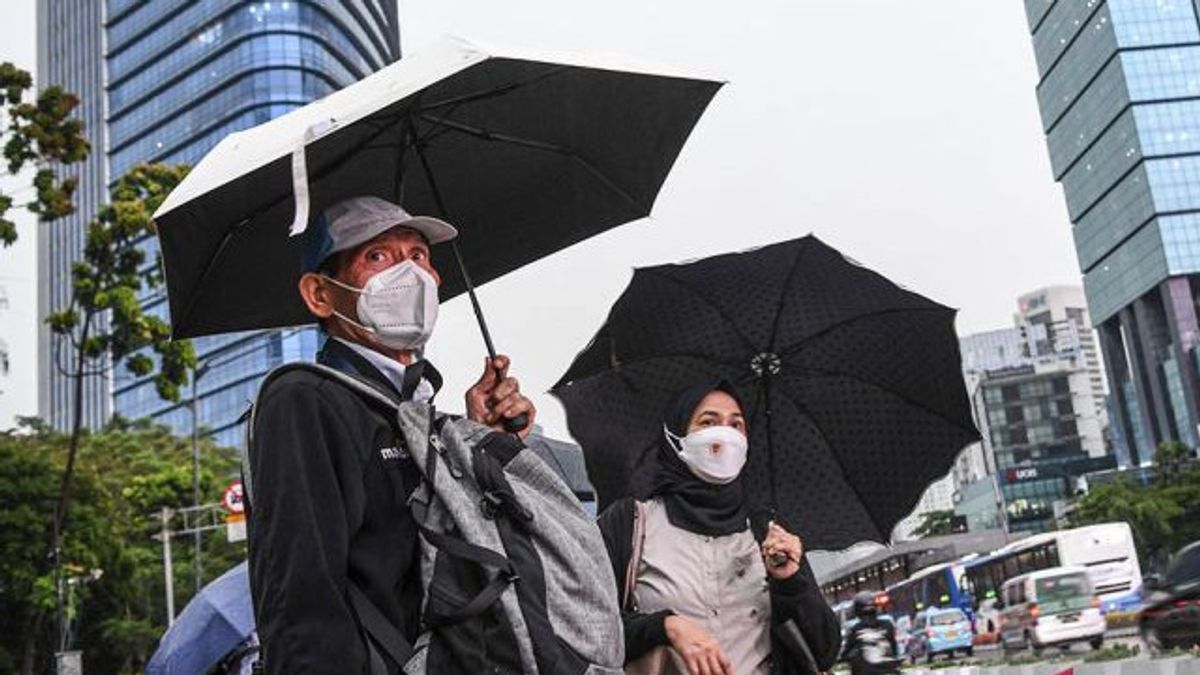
(870, 646)
(321, 517)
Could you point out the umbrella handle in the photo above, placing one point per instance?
(516, 424)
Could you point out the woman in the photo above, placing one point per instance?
(708, 587)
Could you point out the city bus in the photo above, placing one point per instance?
(1106, 551)
(935, 586)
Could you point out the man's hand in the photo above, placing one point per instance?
(697, 647)
(781, 546)
(497, 397)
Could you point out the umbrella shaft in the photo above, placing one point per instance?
(483, 328)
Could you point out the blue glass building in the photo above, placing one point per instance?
(1119, 93)
(70, 43)
(181, 74)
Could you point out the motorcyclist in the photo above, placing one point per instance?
(870, 646)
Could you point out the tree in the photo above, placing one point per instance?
(105, 323)
(934, 523)
(40, 132)
(1163, 515)
(125, 474)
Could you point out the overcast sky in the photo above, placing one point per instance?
(904, 133)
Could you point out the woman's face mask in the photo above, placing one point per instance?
(398, 306)
(715, 454)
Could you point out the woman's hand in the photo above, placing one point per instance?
(698, 648)
(781, 551)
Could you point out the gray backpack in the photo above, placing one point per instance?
(514, 572)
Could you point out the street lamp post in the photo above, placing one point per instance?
(197, 569)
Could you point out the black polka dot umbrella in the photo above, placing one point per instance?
(853, 385)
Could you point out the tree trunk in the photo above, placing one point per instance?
(64, 490)
(29, 653)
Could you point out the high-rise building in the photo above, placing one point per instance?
(179, 76)
(1039, 402)
(1062, 312)
(1119, 93)
(70, 49)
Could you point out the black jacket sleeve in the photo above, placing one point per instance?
(643, 632)
(308, 493)
(798, 598)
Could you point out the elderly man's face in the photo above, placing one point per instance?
(353, 268)
(356, 266)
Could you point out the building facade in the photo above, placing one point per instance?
(1037, 395)
(70, 45)
(1119, 95)
(179, 75)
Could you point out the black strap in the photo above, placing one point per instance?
(412, 379)
(380, 632)
(791, 637)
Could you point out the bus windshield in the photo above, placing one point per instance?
(1063, 593)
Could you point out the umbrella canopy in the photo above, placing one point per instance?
(530, 153)
(853, 385)
(213, 624)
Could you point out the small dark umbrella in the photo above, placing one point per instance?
(854, 388)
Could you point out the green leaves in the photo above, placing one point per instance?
(106, 322)
(40, 131)
(1163, 515)
(125, 474)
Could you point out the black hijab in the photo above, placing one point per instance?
(692, 504)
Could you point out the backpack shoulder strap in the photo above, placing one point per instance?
(380, 632)
(370, 393)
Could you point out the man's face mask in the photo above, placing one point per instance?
(398, 306)
(715, 454)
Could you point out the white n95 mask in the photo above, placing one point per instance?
(715, 454)
(398, 306)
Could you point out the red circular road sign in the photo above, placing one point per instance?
(232, 498)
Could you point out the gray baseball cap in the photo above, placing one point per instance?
(353, 221)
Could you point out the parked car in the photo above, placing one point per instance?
(1171, 617)
(939, 631)
(1050, 607)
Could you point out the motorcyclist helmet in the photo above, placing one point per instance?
(864, 605)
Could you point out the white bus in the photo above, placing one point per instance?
(1105, 550)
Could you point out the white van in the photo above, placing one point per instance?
(1055, 606)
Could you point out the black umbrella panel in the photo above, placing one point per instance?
(529, 158)
(854, 386)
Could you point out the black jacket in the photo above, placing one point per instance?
(795, 598)
(329, 504)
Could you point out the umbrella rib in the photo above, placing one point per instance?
(653, 357)
(484, 134)
(879, 387)
(783, 292)
(791, 350)
(495, 91)
(795, 401)
(749, 343)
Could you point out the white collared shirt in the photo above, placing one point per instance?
(392, 369)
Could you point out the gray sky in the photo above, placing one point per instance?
(904, 133)
(18, 264)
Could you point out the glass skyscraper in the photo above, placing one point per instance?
(70, 44)
(179, 76)
(1119, 93)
